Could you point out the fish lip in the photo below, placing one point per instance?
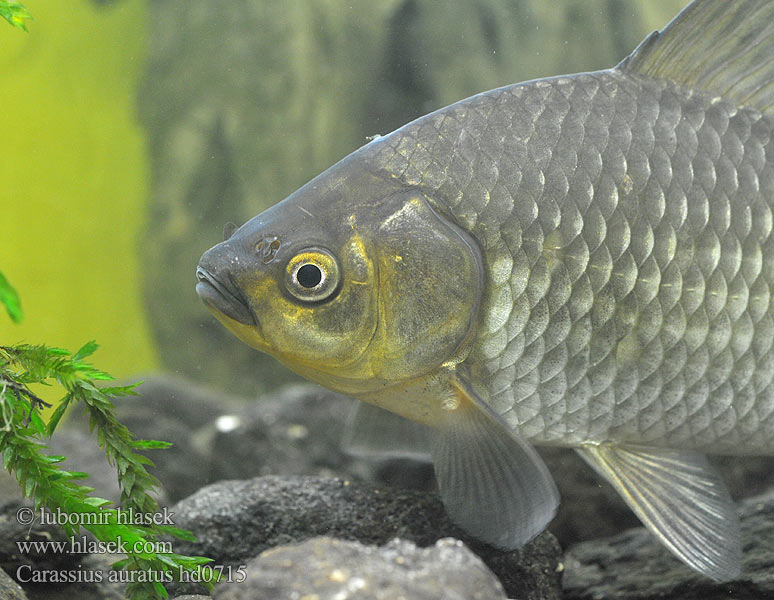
(223, 297)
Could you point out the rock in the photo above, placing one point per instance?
(298, 430)
(746, 475)
(88, 573)
(634, 566)
(176, 410)
(13, 531)
(90, 581)
(84, 454)
(190, 404)
(109, 588)
(234, 521)
(329, 569)
(9, 488)
(9, 589)
(592, 509)
(169, 409)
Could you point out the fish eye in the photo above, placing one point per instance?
(312, 275)
(309, 275)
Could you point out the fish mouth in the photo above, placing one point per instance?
(223, 297)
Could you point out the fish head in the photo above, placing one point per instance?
(354, 282)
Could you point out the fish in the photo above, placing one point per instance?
(583, 261)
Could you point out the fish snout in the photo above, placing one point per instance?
(216, 287)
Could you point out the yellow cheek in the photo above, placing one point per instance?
(246, 333)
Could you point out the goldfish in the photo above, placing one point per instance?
(583, 261)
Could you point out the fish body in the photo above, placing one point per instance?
(581, 261)
(628, 293)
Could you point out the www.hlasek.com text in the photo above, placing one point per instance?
(84, 545)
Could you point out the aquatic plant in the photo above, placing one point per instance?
(15, 13)
(22, 430)
(10, 299)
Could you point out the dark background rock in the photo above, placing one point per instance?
(9, 589)
(12, 531)
(245, 104)
(87, 589)
(83, 454)
(298, 430)
(175, 410)
(591, 508)
(167, 408)
(634, 566)
(329, 569)
(236, 520)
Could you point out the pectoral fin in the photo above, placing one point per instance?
(492, 482)
(680, 498)
(374, 431)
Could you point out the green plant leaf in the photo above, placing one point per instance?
(8, 457)
(53, 421)
(55, 488)
(96, 502)
(8, 295)
(15, 13)
(86, 350)
(160, 590)
(150, 445)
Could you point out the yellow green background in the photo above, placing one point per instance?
(73, 179)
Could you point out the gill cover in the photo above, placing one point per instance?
(430, 282)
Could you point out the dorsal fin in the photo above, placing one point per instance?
(723, 47)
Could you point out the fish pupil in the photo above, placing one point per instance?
(309, 276)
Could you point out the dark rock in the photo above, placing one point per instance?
(9, 488)
(294, 431)
(9, 589)
(163, 395)
(329, 569)
(298, 430)
(90, 581)
(169, 409)
(84, 454)
(175, 410)
(236, 520)
(88, 573)
(634, 566)
(746, 475)
(592, 509)
(13, 531)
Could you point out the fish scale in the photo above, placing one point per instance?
(627, 303)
